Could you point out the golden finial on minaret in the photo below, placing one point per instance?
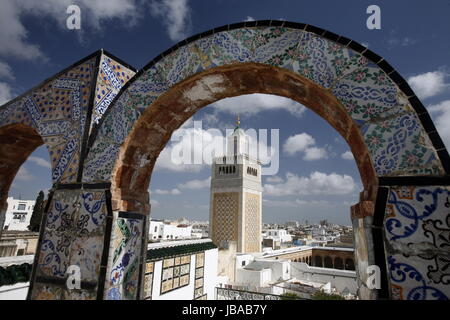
(238, 120)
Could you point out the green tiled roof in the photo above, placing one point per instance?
(165, 252)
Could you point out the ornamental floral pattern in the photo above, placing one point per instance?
(58, 109)
(417, 230)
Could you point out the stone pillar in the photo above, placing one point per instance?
(362, 218)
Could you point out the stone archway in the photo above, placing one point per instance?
(401, 159)
(18, 141)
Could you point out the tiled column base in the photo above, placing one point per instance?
(73, 233)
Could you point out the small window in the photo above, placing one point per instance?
(22, 206)
(243, 263)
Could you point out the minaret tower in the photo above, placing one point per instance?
(236, 196)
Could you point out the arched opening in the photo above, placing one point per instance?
(349, 264)
(318, 261)
(18, 141)
(338, 263)
(328, 262)
(152, 131)
(131, 179)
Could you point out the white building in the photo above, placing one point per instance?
(278, 235)
(181, 270)
(162, 231)
(18, 214)
(342, 280)
(267, 273)
(200, 230)
(257, 273)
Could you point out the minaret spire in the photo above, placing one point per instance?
(238, 122)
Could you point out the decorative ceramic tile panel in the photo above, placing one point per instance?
(399, 146)
(111, 78)
(73, 235)
(417, 231)
(148, 280)
(124, 259)
(199, 276)
(175, 273)
(58, 109)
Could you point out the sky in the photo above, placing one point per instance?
(317, 177)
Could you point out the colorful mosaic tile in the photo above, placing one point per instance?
(417, 230)
(409, 280)
(124, 259)
(73, 234)
(111, 78)
(57, 110)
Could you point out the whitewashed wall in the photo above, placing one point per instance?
(340, 279)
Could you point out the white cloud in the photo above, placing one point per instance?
(195, 184)
(6, 72)
(347, 155)
(176, 16)
(315, 153)
(441, 115)
(395, 40)
(250, 18)
(5, 93)
(304, 143)
(274, 179)
(428, 84)
(296, 203)
(14, 37)
(24, 175)
(251, 104)
(317, 183)
(174, 191)
(298, 143)
(40, 162)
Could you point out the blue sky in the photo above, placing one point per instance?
(414, 38)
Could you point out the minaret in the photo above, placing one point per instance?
(236, 196)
